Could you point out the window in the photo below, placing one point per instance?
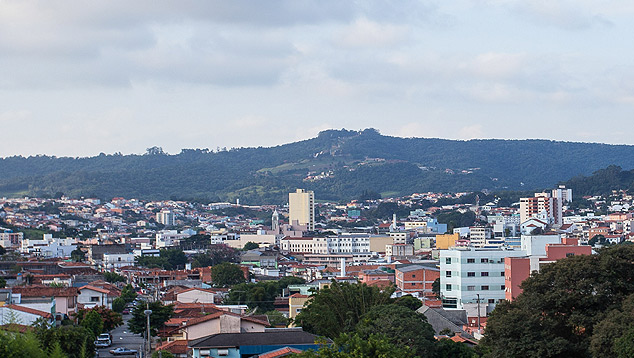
(470, 274)
(484, 274)
(413, 276)
(94, 298)
(470, 288)
(491, 300)
(447, 273)
(448, 287)
(502, 274)
(470, 261)
(570, 254)
(502, 287)
(484, 261)
(485, 288)
(448, 260)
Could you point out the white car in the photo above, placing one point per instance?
(121, 351)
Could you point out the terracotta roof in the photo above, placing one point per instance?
(39, 291)
(174, 347)
(30, 310)
(282, 352)
(97, 289)
(299, 295)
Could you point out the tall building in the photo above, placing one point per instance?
(165, 217)
(301, 208)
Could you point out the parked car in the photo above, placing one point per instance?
(126, 311)
(121, 351)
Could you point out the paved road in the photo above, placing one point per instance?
(121, 337)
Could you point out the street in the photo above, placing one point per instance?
(122, 337)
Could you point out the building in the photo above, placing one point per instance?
(473, 278)
(296, 303)
(165, 217)
(301, 208)
(416, 278)
(399, 250)
(445, 241)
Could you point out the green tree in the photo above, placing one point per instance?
(92, 321)
(353, 346)
(401, 326)
(446, 348)
(113, 277)
(560, 307)
(128, 293)
(118, 305)
(3, 282)
(176, 258)
(109, 318)
(624, 345)
(160, 315)
(75, 341)
(226, 274)
(276, 318)
(250, 246)
(338, 308)
(409, 301)
(18, 345)
(435, 287)
(78, 255)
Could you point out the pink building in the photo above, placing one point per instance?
(518, 269)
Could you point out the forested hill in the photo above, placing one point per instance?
(337, 164)
(603, 182)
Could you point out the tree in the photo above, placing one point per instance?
(128, 293)
(226, 274)
(113, 277)
(338, 308)
(160, 315)
(75, 341)
(2, 250)
(435, 287)
(3, 282)
(78, 255)
(118, 305)
(401, 326)
(109, 318)
(624, 345)
(217, 254)
(176, 258)
(597, 239)
(92, 322)
(162, 354)
(276, 318)
(18, 345)
(446, 348)
(250, 246)
(353, 346)
(561, 308)
(409, 301)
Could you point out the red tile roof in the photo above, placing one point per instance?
(282, 352)
(30, 310)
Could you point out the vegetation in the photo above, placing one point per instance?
(168, 259)
(113, 277)
(353, 346)
(160, 315)
(227, 274)
(216, 254)
(261, 295)
(73, 341)
(267, 175)
(580, 306)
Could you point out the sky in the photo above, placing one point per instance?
(78, 78)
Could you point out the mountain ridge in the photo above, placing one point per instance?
(337, 164)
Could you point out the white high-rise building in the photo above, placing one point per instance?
(165, 217)
(470, 276)
(301, 208)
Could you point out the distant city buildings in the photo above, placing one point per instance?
(301, 209)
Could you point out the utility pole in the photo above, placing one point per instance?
(147, 314)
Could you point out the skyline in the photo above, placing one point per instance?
(79, 79)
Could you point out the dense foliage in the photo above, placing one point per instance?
(361, 164)
(168, 259)
(260, 295)
(160, 314)
(226, 274)
(579, 306)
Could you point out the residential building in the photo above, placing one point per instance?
(471, 277)
(445, 241)
(399, 250)
(301, 209)
(416, 278)
(165, 217)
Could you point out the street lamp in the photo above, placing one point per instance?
(147, 314)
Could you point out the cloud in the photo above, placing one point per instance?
(365, 33)
(471, 132)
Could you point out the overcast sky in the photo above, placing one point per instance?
(82, 77)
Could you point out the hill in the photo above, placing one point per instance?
(337, 164)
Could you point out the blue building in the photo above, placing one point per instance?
(249, 344)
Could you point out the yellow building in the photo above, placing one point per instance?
(444, 242)
(378, 243)
(296, 303)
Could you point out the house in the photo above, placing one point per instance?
(91, 296)
(296, 303)
(217, 322)
(251, 344)
(10, 314)
(195, 295)
(40, 297)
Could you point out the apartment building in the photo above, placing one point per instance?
(471, 277)
(301, 208)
